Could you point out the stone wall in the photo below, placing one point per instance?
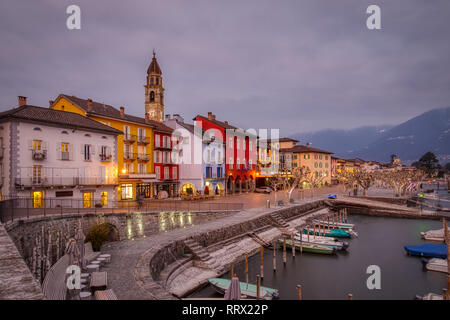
(44, 238)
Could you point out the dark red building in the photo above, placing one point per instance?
(240, 153)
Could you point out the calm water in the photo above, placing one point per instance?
(380, 242)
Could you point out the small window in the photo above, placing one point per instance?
(104, 137)
(64, 132)
(37, 129)
(87, 135)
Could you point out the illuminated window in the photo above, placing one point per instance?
(127, 191)
(37, 144)
(87, 199)
(104, 198)
(38, 199)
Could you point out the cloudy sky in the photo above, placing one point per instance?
(289, 64)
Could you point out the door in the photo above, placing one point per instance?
(87, 199)
(38, 199)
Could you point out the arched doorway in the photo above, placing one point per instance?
(187, 189)
(238, 183)
(230, 185)
(219, 189)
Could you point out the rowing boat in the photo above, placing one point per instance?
(247, 289)
(336, 233)
(434, 235)
(338, 225)
(325, 241)
(308, 247)
(435, 264)
(428, 250)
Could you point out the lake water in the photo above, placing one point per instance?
(380, 242)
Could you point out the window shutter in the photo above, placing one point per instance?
(58, 151)
(44, 145)
(30, 144)
(92, 149)
(82, 149)
(71, 151)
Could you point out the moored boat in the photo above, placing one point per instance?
(428, 250)
(308, 247)
(338, 225)
(435, 264)
(325, 241)
(336, 233)
(430, 296)
(434, 235)
(247, 289)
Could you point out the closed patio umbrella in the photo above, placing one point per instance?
(73, 252)
(234, 290)
(79, 238)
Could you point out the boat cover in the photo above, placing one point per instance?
(428, 250)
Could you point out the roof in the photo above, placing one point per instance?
(226, 126)
(191, 128)
(280, 140)
(154, 66)
(106, 110)
(304, 149)
(56, 117)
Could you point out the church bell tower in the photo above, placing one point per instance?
(154, 92)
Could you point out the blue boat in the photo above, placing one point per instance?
(428, 250)
(332, 196)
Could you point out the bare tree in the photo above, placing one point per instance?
(346, 179)
(291, 181)
(275, 183)
(314, 179)
(364, 179)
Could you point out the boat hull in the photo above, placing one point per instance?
(247, 289)
(428, 250)
(308, 247)
(324, 241)
(335, 233)
(344, 226)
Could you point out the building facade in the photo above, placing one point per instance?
(240, 153)
(134, 147)
(57, 158)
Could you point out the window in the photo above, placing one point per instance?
(65, 148)
(326, 165)
(87, 199)
(104, 198)
(238, 163)
(295, 157)
(326, 157)
(127, 191)
(231, 142)
(64, 132)
(237, 144)
(141, 168)
(208, 156)
(37, 177)
(37, 144)
(87, 135)
(320, 164)
(250, 146)
(166, 173)
(219, 172)
(158, 172)
(152, 96)
(315, 164)
(126, 132)
(157, 140)
(219, 157)
(174, 173)
(208, 172)
(157, 159)
(38, 199)
(185, 140)
(87, 152)
(230, 163)
(37, 129)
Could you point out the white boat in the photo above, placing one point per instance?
(326, 241)
(430, 296)
(436, 264)
(338, 225)
(434, 235)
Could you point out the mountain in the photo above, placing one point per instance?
(409, 140)
(342, 142)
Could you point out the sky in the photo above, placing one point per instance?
(296, 65)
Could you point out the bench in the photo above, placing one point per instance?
(54, 285)
(105, 295)
(89, 254)
(99, 281)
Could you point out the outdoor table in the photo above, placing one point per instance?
(85, 295)
(95, 262)
(99, 281)
(92, 267)
(102, 260)
(107, 256)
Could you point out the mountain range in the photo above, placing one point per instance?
(429, 131)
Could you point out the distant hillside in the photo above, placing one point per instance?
(409, 140)
(342, 142)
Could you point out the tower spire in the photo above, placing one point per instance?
(154, 91)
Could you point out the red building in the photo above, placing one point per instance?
(240, 153)
(166, 170)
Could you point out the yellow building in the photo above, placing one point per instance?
(318, 161)
(134, 146)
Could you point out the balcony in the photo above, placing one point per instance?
(143, 140)
(143, 157)
(65, 156)
(39, 155)
(130, 156)
(129, 138)
(105, 157)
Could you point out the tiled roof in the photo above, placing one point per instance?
(106, 110)
(50, 116)
(280, 140)
(219, 123)
(304, 149)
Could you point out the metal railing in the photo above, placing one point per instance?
(143, 140)
(21, 208)
(130, 156)
(39, 154)
(130, 138)
(51, 181)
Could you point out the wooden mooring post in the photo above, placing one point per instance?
(258, 286)
(308, 231)
(274, 256)
(246, 268)
(350, 296)
(328, 223)
(299, 292)
(262, 262)
(284, 250)
(231, 270)
(293, 245)
(314, 234)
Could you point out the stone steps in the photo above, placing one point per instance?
(203, 255)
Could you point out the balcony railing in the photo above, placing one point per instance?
(143, 140)
(129, 156)
(143, 157)
(129, 138)
(39, 155)
(46, 181)
(105, 157)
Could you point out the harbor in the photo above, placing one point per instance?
(380, 242)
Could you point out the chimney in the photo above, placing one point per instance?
(211, 116)
(122, 111)
(89, 104)
(167, 117)
(22, 100)
(226, 122)
(178, 118)
(308, 144)
(50, 103)
(147, 117)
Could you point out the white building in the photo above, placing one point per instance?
(57, 158)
